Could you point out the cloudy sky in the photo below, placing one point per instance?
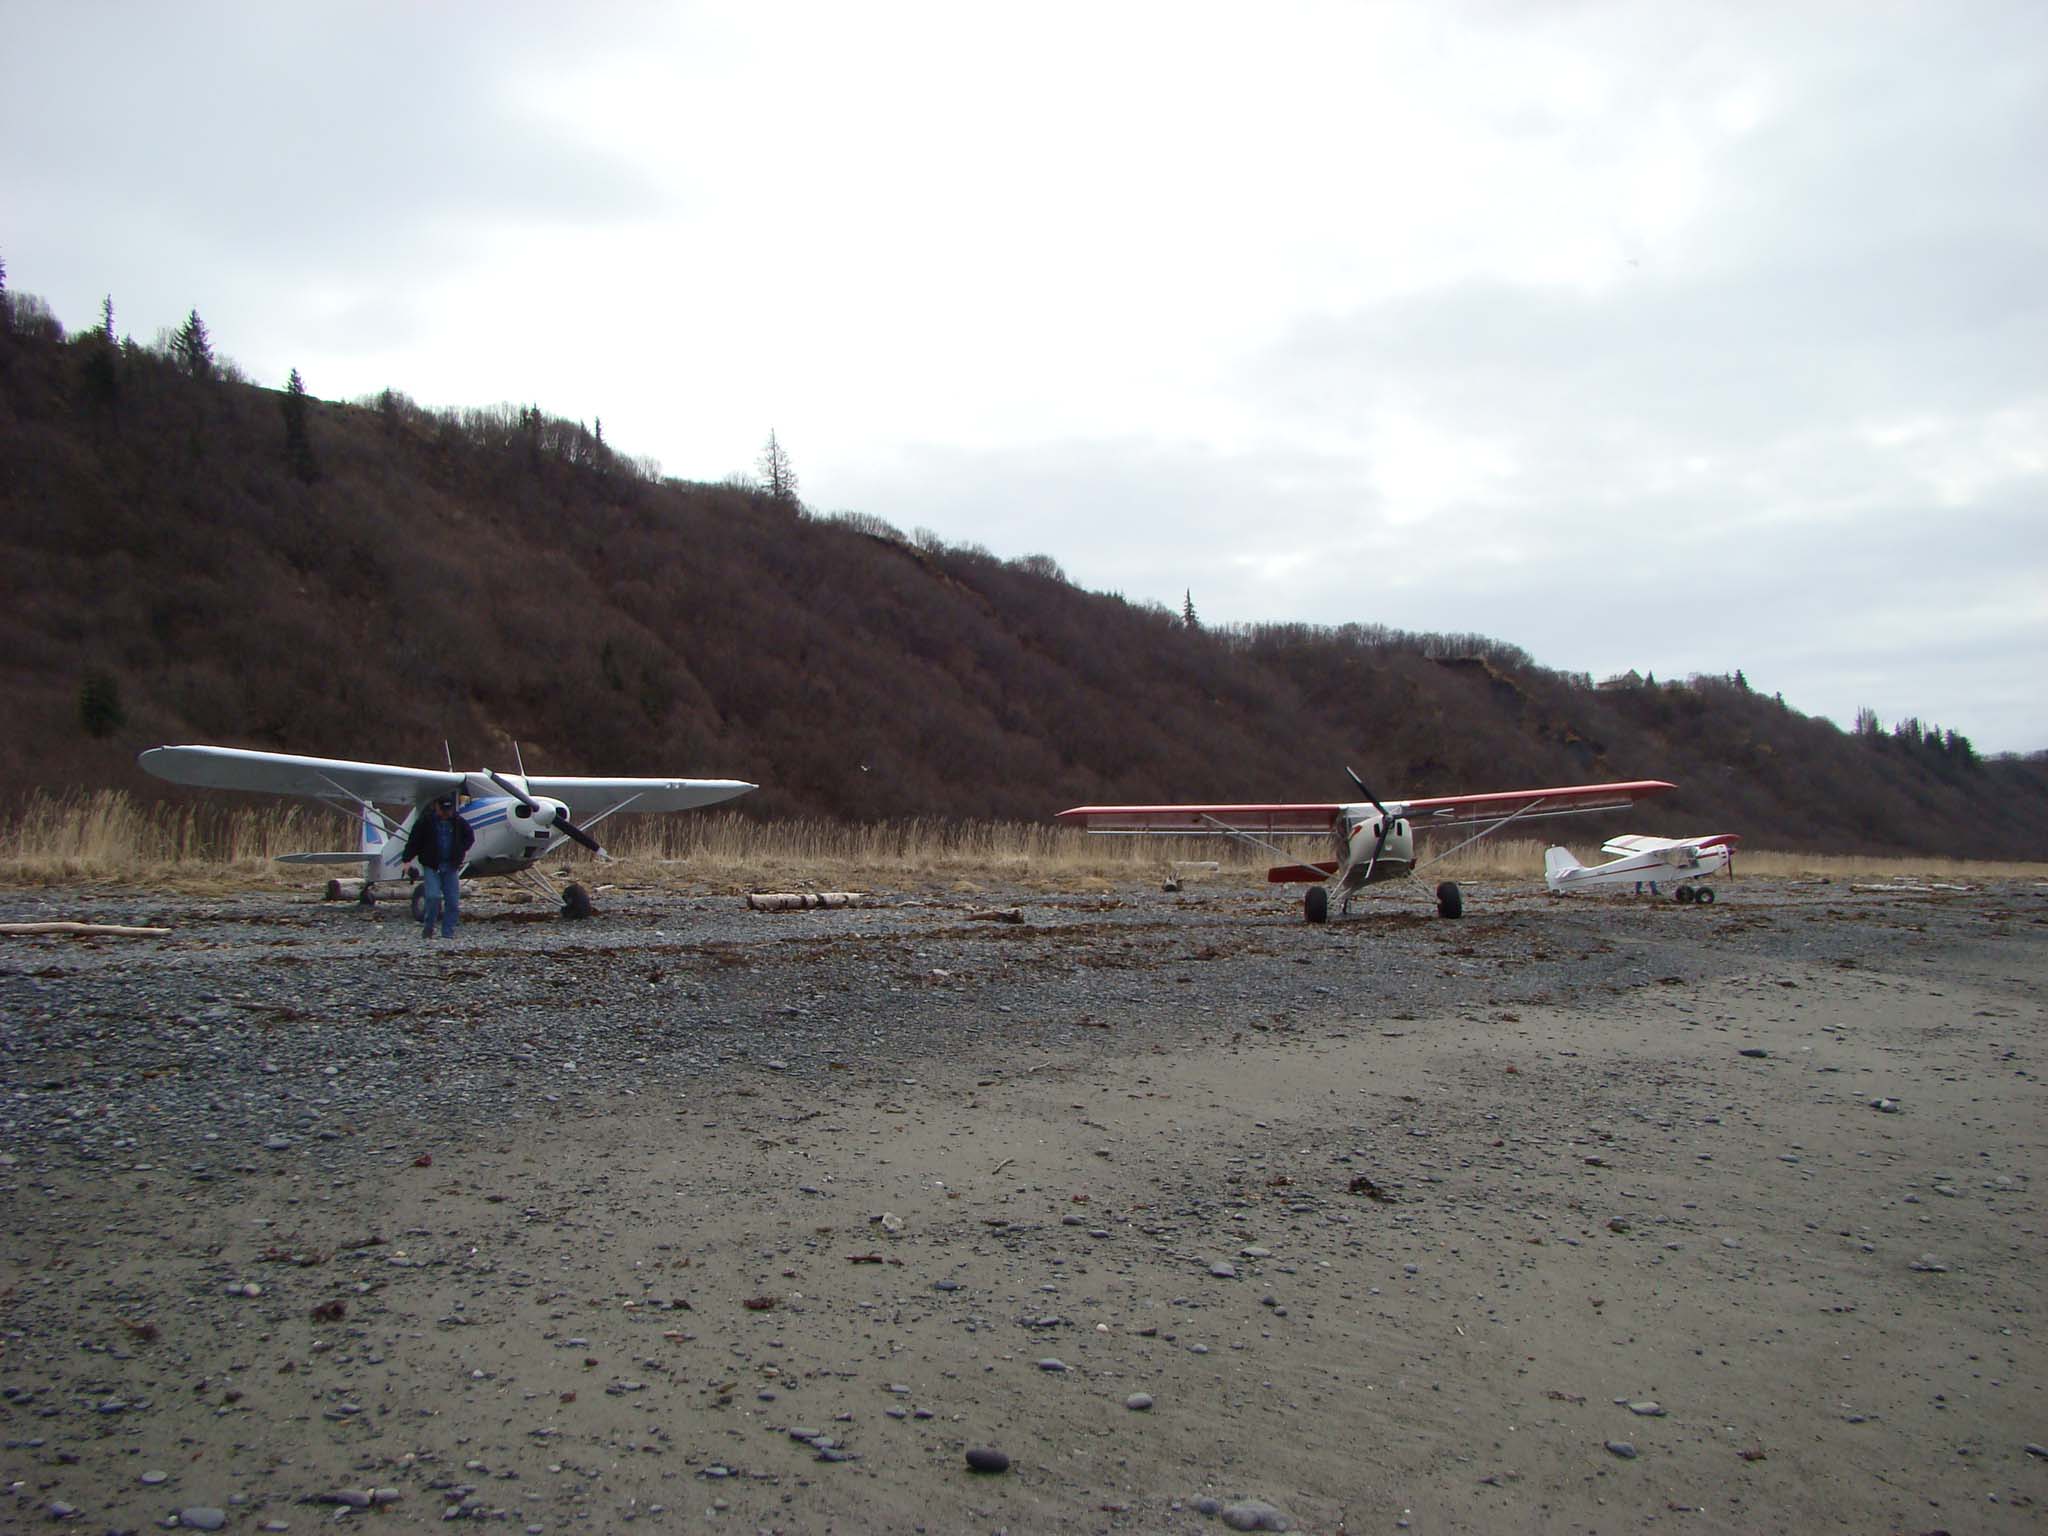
(1679, 337)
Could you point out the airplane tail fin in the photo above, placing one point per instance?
(1557, 863)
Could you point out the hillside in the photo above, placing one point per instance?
(181, 570)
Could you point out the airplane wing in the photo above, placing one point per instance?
(1525, 804)
(1676, 850)
(593, 798)
(282, 773)
(1205, 820)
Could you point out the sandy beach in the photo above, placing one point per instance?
(1594, 1215)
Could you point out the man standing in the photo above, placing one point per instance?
(439, 843)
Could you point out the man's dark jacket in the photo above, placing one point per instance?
(423, 846)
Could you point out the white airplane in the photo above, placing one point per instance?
(1648, 859)
(1374, 840)
(517, 817)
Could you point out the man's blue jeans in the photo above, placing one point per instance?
(441, 892)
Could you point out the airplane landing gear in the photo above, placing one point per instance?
(1684, 895)
(1450, 901)
(1704, 895)
(575, 903)
(1315, 904)
(367, 896)
(419, 901)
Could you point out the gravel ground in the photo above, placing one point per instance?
(540, 1177)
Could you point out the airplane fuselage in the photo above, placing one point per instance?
(510, 836)
(1357, 833)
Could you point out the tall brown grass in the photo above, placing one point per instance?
(107, 838)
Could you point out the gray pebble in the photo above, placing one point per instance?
(1223, 1271)
(1255, 1515)
(1138, 1402)
(986, 1458)
(1052, 1363)
(1646, 1410)
(201, 1517)
(1623, 1449)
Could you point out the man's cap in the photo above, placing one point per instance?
(446, 802)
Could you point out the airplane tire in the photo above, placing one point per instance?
(1450, 901)
(575, 903)
(1315, 904)
(367, 896)
(1704, 895)
(1684, 895)
(419, 901)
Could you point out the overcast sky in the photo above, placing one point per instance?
(1679, 337)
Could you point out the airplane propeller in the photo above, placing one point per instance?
(1386, 821)
(561, 822)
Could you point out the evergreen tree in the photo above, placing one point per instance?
(298, 447)
(6, 309)
(1187, 609)
(99, 705)
(192, 348)
(776, 475)
(107, 318)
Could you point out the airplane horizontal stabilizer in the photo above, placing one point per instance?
(1301, 874)
(356, 857)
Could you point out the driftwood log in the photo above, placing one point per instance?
(802, 901)
(91, 930)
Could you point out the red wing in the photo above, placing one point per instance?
(1301, 874)
(1206, 820)
(1529, 804)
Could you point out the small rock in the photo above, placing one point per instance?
(986, 1458)
(1138, 1402)
(1052, 1363)
(1623, 1449)
(201, 1517)
(1753, 1051)
(1646, 1410)
(1223, 1271)
(1255, 1515)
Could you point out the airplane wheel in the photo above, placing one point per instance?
(366, 897)
(1315, 904)
(1704, 895)
(575, 903)
(419, 902)
(1684, 895)
(1450, 901)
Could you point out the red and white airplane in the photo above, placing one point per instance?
(1373, 840)
(517, 818)
(1640, 860)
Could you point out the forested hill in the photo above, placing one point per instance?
(192, 559)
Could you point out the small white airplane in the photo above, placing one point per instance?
(1374, 840)
(1648, 860)
(517, 817)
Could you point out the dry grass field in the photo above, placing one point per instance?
(107, 838)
